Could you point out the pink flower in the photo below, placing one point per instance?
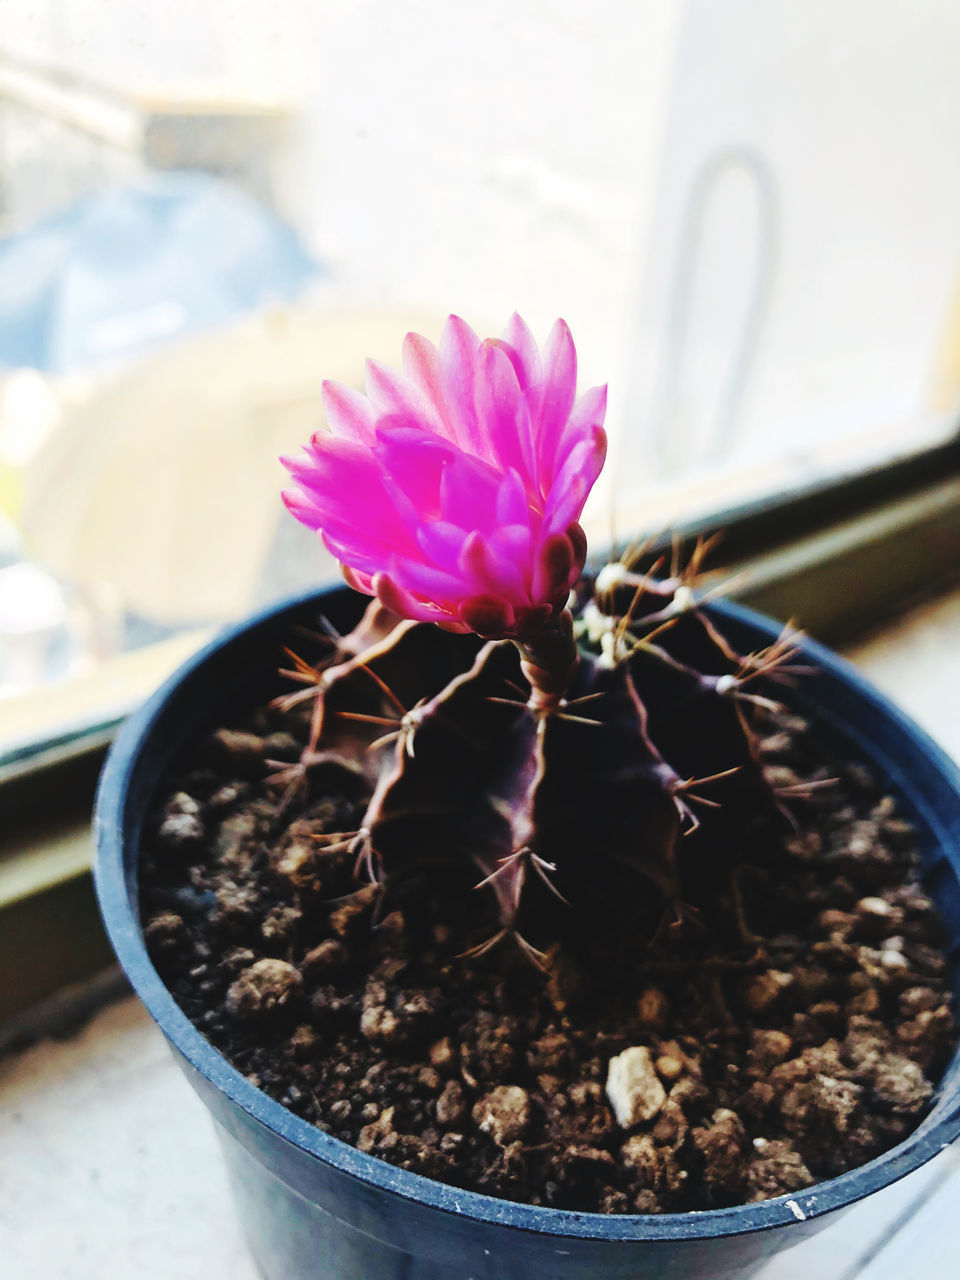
(452, 490)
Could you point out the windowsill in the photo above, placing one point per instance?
(56, 720)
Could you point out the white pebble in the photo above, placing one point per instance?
(633, 1087)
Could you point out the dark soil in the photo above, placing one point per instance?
(689, 1074)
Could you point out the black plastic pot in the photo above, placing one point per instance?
(314, 1207)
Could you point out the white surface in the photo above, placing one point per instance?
(108, 1164)
(916, 662)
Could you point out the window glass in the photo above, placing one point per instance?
(749, 214)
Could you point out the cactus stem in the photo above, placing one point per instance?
(548, 661)
(494, 771)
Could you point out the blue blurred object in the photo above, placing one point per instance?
(132, 266)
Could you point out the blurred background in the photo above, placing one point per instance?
(748, 212)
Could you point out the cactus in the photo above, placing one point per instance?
(618, 797)
(564, 753)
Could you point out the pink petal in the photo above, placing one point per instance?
(521, 346)
(488, 615)
(504, 414)
(578, 540)
(329, 462)
(421, 364)
(492, 571)
(359, 581)
(590, 409)
(588, 412)
(458, 368)
(400, 601)
(427, 580)
(351, 546)
(574, 482)
(512, 504)
(559, 390)
(349, 414)
(532, 621)
(442, 543)
(453, 489)
(468, 492)
(415, 460)
(514, 542)
(391, 394)
(551, 574)
(300, 506)
(343, 483)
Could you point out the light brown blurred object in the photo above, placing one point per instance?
(945, 375)
(165, 482)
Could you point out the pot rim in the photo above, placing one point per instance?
(936, 1131)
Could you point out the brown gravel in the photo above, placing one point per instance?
(757, 1064)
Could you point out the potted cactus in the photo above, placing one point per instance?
(538, 922)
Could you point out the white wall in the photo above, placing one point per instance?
(853, 111)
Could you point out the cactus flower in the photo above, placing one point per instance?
(453, 490)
